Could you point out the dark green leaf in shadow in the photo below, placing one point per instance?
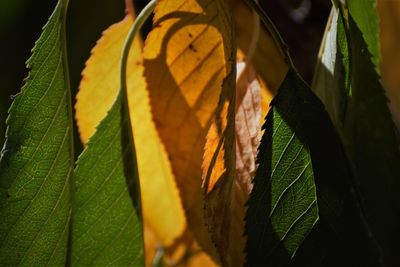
(301, 152)
(369, 133)
(37, 159)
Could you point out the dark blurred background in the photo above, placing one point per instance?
(300, 22)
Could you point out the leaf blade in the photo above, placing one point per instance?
(185, 65)
(37, 159)
(106, 209)
(164, 215)
(284, 166)
(108, 226)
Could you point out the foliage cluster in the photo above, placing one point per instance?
(204, 146)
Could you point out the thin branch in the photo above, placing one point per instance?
(129, 8)
(123, 90)
(254, 37)
(137, 25)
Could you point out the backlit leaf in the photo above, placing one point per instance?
(108, 227)
(225, 203)
(282, 208)
(302, 164)
(365, 16)
(163, 214)
(218, 201)
(187, 56)
(248, 119)
(37, 159)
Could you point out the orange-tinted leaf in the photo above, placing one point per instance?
(225, 199)
(162, 209)
(248, 135)
(248, 121)
(219, 169)
(200, 260)
(186, 252)
(187, 56)
(151, 244)
(389, 13)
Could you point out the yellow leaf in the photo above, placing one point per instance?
(219, 169)
(187, 56)
(186, 251)
(162, 209)
(151, 244)
(200, 260)
(229, 204)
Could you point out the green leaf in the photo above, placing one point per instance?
(301, 163)
(282, 208)
(107, 226)
(365, 16)
(364, 122)
(37, 159)
(369, 133)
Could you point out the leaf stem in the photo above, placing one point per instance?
(254, 38)
(283, 48)
(71, 178)
(123, 91)
(137, 25)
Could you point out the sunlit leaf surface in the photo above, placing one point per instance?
(186, 58)
(163, 212)
(108, 228)
(37, 160)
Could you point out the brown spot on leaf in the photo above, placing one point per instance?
(191, 47)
